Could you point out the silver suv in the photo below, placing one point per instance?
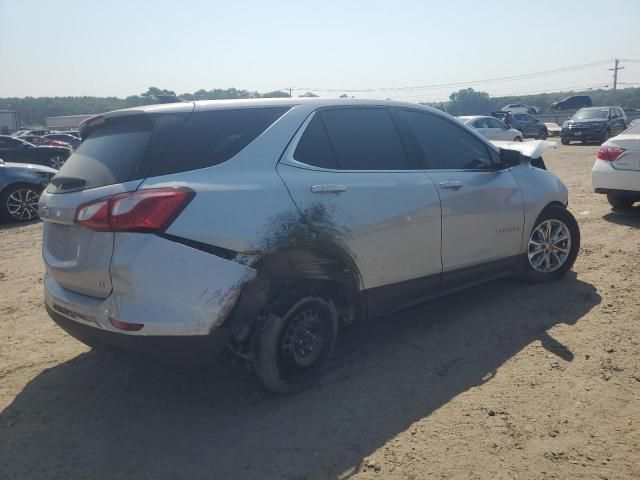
(267, 225)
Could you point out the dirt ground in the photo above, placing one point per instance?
(505, 381)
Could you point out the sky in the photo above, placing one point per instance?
(369, 49)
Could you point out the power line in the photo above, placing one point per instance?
(434, 86)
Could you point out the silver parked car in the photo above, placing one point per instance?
(20, 187)
(267, 225)
(492, 128)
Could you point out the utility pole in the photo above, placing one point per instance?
(289, 92)
(615, 69)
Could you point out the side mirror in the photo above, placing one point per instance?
(510, 158)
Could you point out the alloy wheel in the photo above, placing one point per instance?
(56, 162)
(23, 204)
(549, 246)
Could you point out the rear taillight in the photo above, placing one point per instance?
(150, 210)
(609, 154)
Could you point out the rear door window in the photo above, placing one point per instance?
(493, 123)
(365, 139)
(211, 137)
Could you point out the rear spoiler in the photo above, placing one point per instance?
(92, 123)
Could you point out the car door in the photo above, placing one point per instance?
(480, 126)
(4, 148)
(12, 149)
(482, 204)
(497, 130)
(529, 125)
(618, 124)
(354, 182)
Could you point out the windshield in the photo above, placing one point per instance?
(588, 113)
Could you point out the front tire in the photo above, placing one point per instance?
(565, 141)
(517, 139)
(617, 201)
(552, 247)
(605, 136)
(543, 135)
(293, 350)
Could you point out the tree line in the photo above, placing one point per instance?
(471, 102)
(34, 110)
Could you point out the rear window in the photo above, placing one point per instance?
(212, 137)
(136, 147)
(110, 153)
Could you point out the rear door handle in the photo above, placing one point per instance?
(328, 188)
(451, 185)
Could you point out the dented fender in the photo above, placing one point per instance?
(172, 288)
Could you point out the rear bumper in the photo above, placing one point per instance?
(194, 348)
(607, 179)
(170, 288)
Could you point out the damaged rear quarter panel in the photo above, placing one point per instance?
(172, 288)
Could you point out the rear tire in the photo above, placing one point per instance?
(19, 202)
(617, 201)
(293, 350)
(551, 255)
(565, 141)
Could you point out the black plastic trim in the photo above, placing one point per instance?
(613, 191)
(397, 296)
(170, 348)
(203, 247)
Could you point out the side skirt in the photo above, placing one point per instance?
(390, 298)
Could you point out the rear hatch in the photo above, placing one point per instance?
(119, 150)
(629, 141)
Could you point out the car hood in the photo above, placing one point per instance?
(29, 166)
(532, 149)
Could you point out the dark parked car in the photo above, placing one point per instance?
(594, 124)
(30, 131)
(17, 150)
(525, 123)
(64, 137)
(572, 103)
(20, 188)
(49, 142)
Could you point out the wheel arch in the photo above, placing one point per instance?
(321, 270)
(556, 203)
(35, 186)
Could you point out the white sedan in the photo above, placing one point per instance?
(616, 172)
(492, 128)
